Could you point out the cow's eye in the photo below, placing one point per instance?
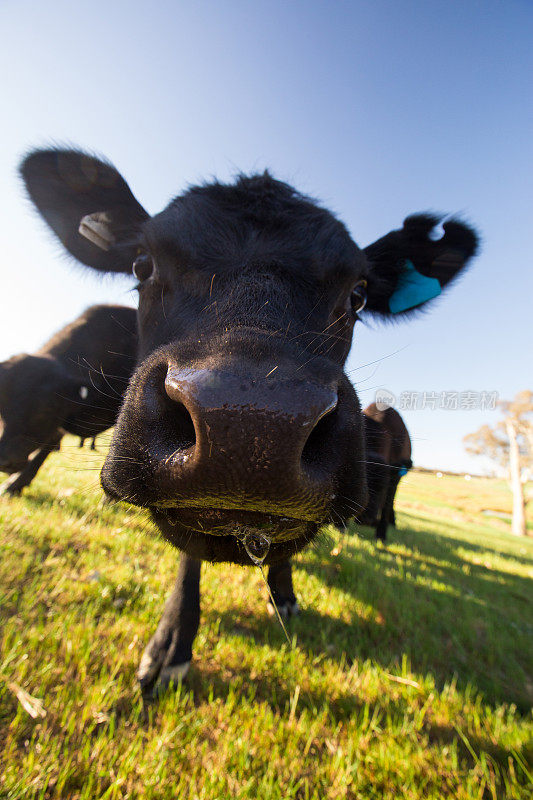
(358, 299)
(143, 267)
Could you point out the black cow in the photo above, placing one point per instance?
(73, 384)
(388, 453)
(239, 430)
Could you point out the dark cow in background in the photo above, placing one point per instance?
(73, 384)
(239, 431)
(388, 453)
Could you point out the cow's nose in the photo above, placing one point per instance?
(263, 445)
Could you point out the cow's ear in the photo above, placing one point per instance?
(88, 205)
(409, 267)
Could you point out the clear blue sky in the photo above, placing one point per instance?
(378, 107)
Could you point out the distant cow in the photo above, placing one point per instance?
(388, 454)
(73, 384)
(239, 431)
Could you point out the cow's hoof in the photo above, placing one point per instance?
(9, 489)
(152, 675)
(286, 609)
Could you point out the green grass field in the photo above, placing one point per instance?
(410, 674)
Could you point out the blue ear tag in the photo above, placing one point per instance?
(402, 471)
(412, 289)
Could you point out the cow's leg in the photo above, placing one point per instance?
(16, 483)
(82, 441)
(403, 468)
(169, 651)
(388, 505)
(396, 478)
(377, 479)
(93, 443)
(280, 584)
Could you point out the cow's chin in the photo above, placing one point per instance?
(213, 534)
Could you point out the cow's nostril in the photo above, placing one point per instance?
(181, 425)
(180, 422)
(321, 441)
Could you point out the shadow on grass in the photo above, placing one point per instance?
(204, 684)
(488, 548)
(450, 616)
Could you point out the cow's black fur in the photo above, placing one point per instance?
(229, 427)
(73, 384)
(388, 452)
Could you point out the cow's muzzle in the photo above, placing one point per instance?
(215, 451)
(247, 445)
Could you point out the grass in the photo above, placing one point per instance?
(410, 675)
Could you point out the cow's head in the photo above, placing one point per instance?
(239, 419)
(37, 396)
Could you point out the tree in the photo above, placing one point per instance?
(510, 444)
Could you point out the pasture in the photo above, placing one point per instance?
(410, 675)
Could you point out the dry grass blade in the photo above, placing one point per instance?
(33, 705)
(404, 681)
(294, 703)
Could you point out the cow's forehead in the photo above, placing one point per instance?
(255, 220)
